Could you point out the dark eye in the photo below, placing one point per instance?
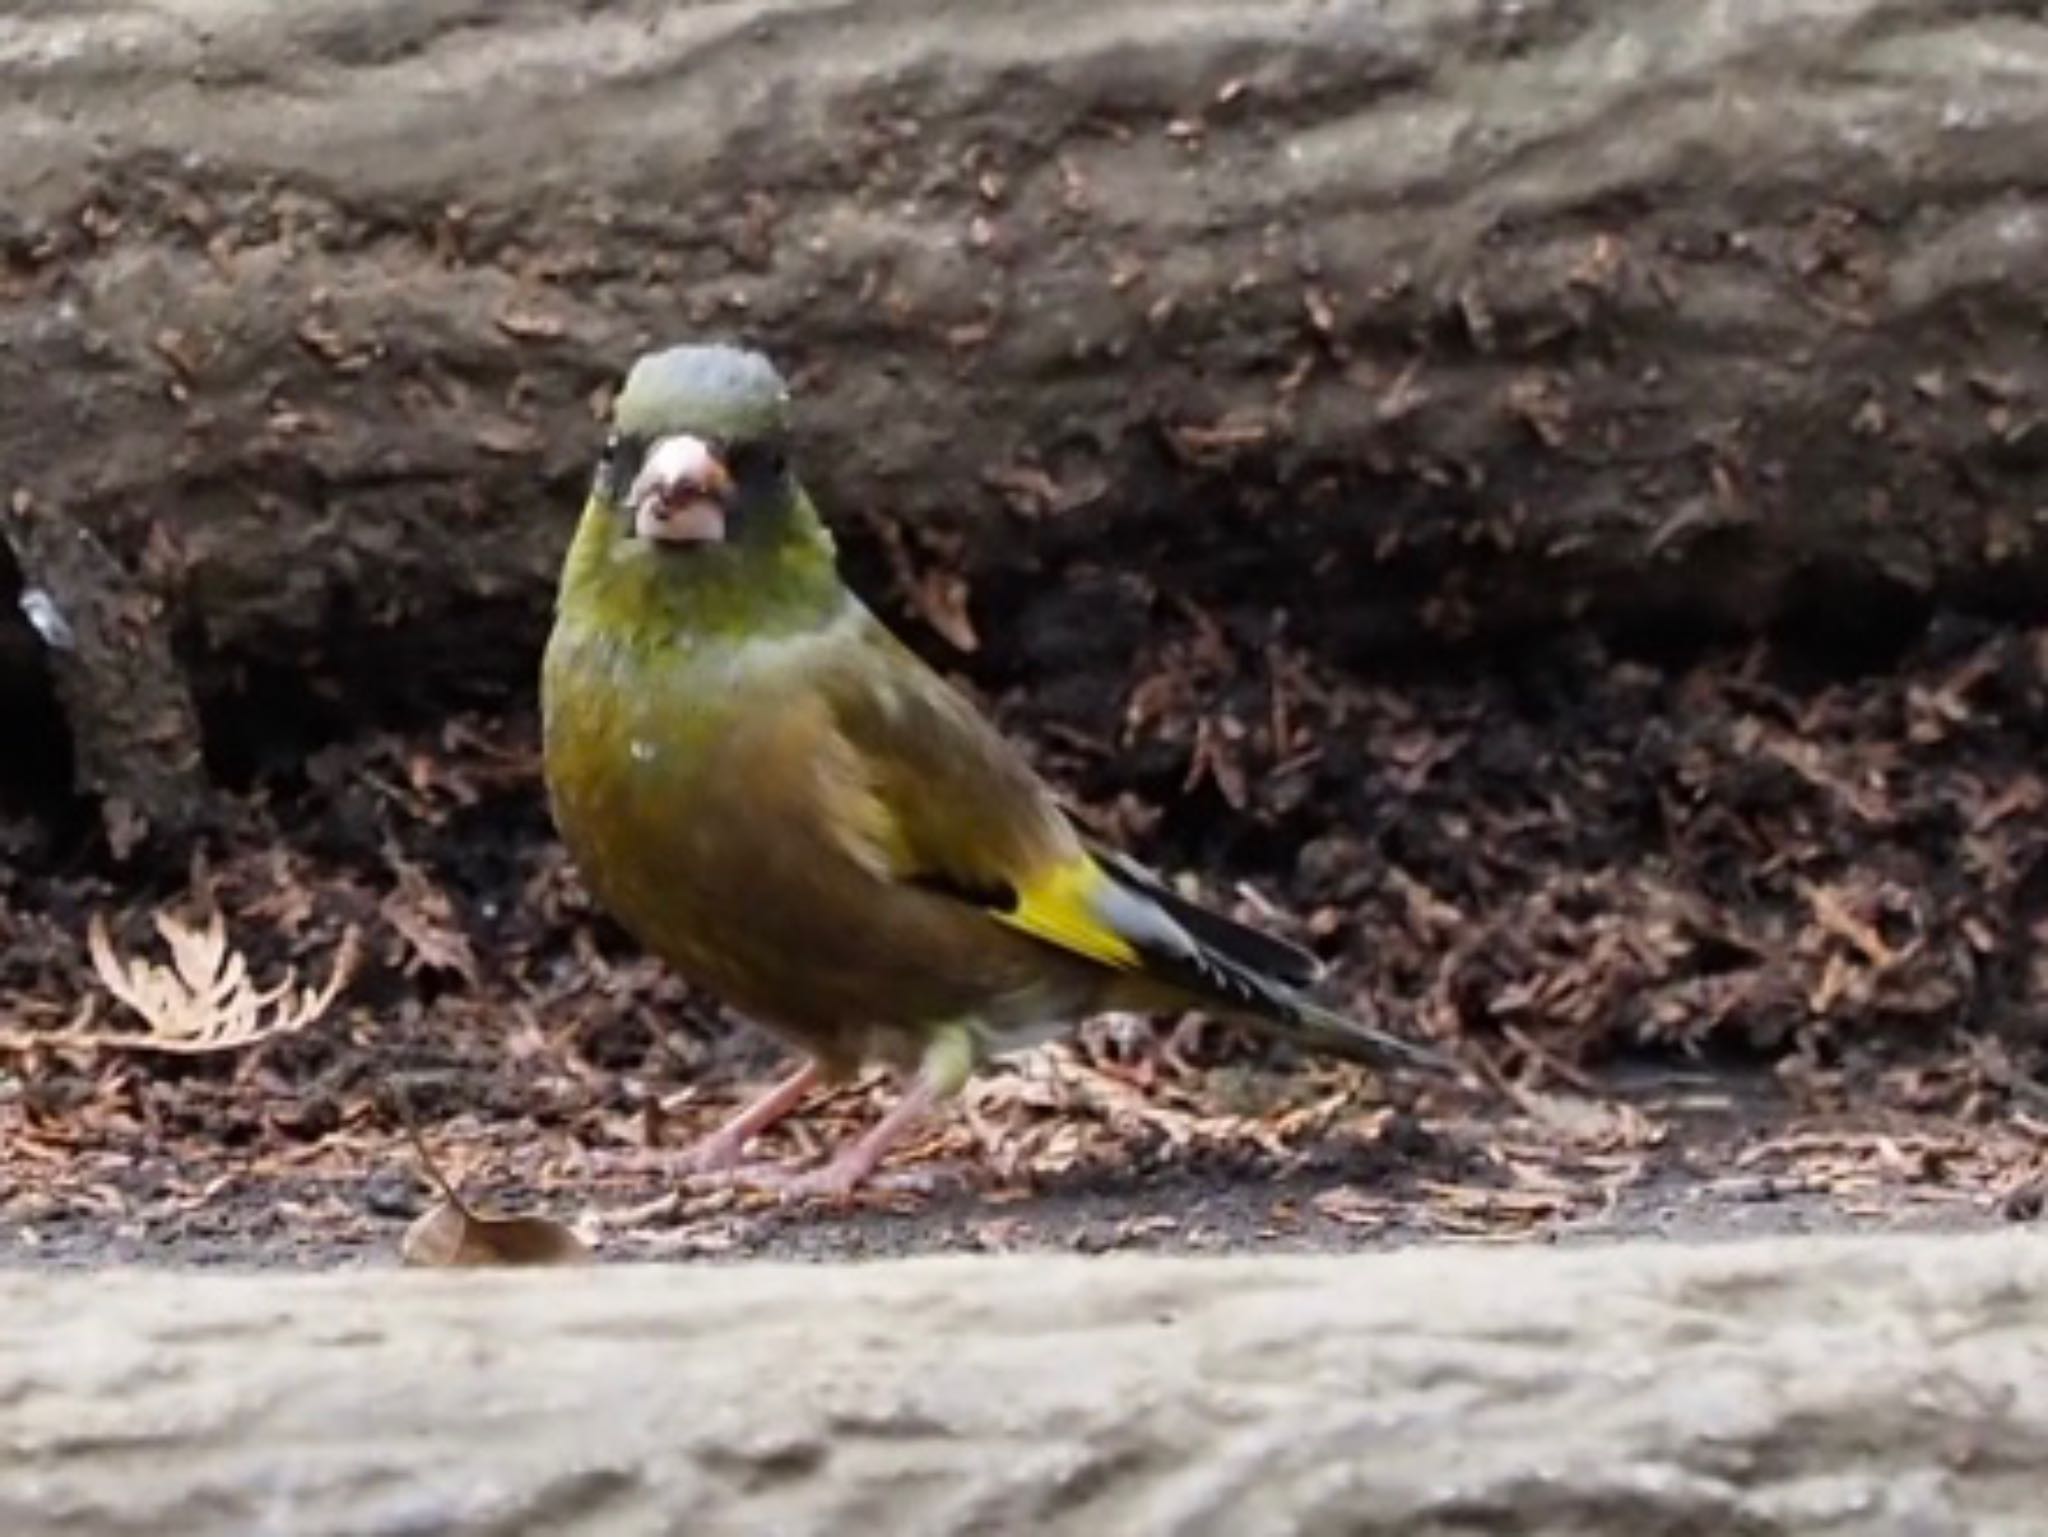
(616, 463)
(756, 462)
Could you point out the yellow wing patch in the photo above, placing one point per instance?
(1057, 908)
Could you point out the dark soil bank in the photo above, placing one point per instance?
(1416, 321)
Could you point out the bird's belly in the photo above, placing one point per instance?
(794, 936)
(653, 867)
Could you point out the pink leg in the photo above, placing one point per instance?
(850, 1169)
(721, 1149)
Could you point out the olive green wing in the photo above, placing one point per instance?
(952, 808)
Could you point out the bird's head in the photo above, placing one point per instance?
(699, 449)
(696, 522)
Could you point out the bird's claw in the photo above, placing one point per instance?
(829, 1184)
(713, 1157)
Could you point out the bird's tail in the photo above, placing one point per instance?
(1242, 974)
(1302, 1022)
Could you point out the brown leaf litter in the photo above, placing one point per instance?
(1718, 937)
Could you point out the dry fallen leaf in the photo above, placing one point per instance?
(1354, 1207)
(425, 919)
(528, 324)
(204, 1000)
(507, 439)
(941, 599)
(452, 1235)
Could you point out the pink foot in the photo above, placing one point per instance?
(833, 1182)
(719, 1152)
(826, 1183)
(710, 1156)
(836, 1184)
(838, 1179)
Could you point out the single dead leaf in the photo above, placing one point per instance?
(453, 1235)
(1215, 757)
(507, 439)
(425, 919)
(324, 339)
(1353, 1207)
(1218, 442)
(1834, 914)
(450, 1236)
(941, 598)
(526, 324)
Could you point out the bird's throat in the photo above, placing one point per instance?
(779, 577)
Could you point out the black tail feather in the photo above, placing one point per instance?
(1255, 978)
(1225, 938)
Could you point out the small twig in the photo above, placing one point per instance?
(1551, 1063)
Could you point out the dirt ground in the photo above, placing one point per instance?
(1729, 943)
(1284, 372)
(1770, 1173)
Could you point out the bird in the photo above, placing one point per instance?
(774, 794)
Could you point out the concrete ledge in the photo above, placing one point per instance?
(1817, 1386)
